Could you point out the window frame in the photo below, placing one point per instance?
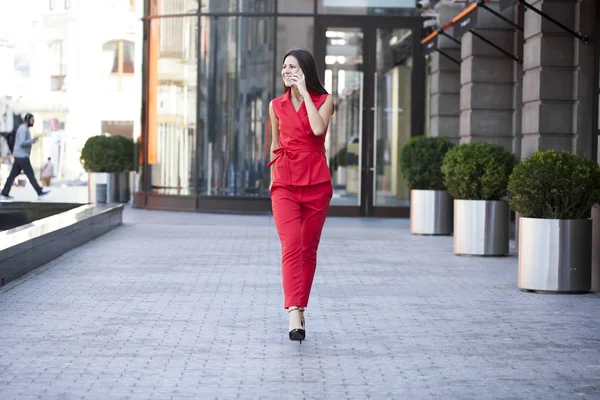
(62, 75)
(121, 60)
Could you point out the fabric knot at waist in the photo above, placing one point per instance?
(289, 153)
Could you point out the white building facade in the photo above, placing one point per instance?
(84, 76)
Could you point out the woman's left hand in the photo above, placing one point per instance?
(300, 83)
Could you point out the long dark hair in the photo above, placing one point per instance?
(307, 64)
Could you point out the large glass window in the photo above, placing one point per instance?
(172, 77)
(378, 7)
(293, 32)
(233, 6)
(169, 7)
(344, 80)
(393, 95)
(296, 6)
(236, 87)
(118, 64)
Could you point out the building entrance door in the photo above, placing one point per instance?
(375, 70)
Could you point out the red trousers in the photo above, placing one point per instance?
(299, 213)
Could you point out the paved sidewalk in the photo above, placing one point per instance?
(178, 305)
(63, 194)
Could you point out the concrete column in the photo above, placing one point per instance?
(488, 80)
(445, 91)
(559, 78)
(445, 80)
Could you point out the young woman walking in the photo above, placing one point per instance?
(300, 180)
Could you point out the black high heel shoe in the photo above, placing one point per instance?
(296, 315)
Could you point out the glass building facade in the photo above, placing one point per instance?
(211, 67)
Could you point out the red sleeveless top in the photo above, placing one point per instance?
(300, 159)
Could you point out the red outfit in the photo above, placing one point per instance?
(300, 196)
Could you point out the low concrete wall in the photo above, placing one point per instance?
(14, 214)
(30, 246)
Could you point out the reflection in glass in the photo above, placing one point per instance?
(364, 7)
(236, 87)
(392, 113)
(293, 32)
(172, 78)
(343, 79)
(296, 6)
(233, 6)
(167, 7)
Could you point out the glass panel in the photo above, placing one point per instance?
(343, 78)
(364, 7)
(128, 57)
(393, 93)
(166, 7)
(296, 6)
(237, 86)
(110, 57)
(293, 32)
(172, 78)
(250, 6)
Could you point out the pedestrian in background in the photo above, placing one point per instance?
(47, 172)
(300, 179)
(21, 153)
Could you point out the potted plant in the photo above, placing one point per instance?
(95, 160)
(554, 193)
(124, 151)
(108, 157)
(431, 209)
(476, 175)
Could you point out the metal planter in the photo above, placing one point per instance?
(98, 187)
(481, 227)
(112, 188)
(124, 187)
(555, 255)
(431, 212)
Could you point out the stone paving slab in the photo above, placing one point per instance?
(180, 305)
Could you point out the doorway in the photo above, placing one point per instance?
(375, 70)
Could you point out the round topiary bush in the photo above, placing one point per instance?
(107, 154)
(124, 150)
(553, 185)
(478, 171)
(94, 155)
(421, 160)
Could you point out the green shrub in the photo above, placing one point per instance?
(478, 171)
(94, 155)
(125, 153)
(555, 185)
(421, 160)
(107, 154)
